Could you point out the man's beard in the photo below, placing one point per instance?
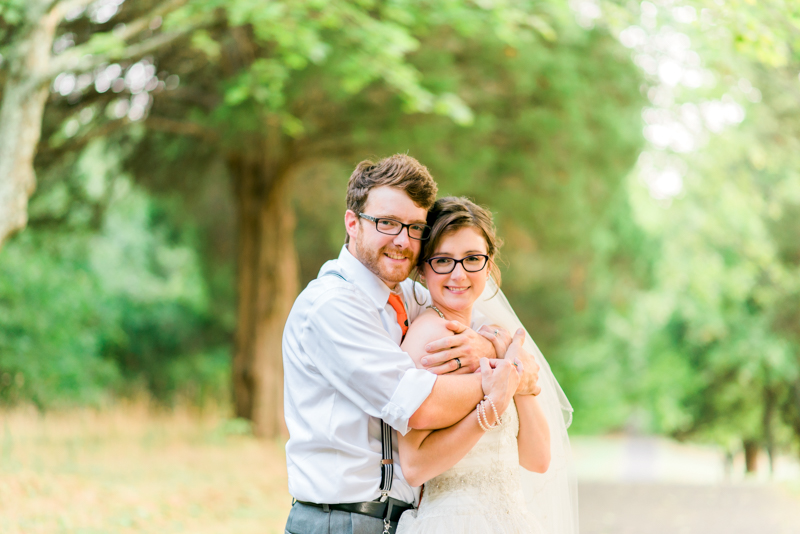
(372, 261)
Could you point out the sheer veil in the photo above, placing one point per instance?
(551, 497)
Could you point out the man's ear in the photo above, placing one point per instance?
(351, 224)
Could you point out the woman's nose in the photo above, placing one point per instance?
(458, 273)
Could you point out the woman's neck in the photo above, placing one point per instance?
(462, 316)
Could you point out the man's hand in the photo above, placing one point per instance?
(467, 346)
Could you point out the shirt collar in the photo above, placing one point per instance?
(357, 273)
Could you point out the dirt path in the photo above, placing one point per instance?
(658, 508)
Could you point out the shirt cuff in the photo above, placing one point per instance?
(414, 388)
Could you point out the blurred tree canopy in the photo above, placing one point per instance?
(255, 94)
(708, 346)
(194, 156)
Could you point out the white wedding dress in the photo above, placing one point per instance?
(481, 494)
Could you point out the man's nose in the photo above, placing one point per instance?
(402, 239)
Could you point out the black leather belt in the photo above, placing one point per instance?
(377, 509)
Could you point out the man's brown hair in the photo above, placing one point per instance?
(400, 171)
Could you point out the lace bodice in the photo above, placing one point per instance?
(481, 494)
(491, 467)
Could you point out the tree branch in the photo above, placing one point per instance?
(137, 26)
(78, 143)
(77, 60)
(81, 59)
(192, 129)
(60, 8)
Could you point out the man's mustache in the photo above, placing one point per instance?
(405, 252)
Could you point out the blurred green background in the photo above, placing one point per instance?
(641, 159)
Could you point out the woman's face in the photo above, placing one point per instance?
(460, 288)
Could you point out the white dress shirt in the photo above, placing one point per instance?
(344, 372)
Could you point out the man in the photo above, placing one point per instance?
(344, 372)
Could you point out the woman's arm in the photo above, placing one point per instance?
(533, 439)
(425, 453)
(425, 328)
(452, 397)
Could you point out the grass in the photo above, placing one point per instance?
(133, 470)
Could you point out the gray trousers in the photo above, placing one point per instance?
(304, 519)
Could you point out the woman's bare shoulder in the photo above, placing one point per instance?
(427, 327)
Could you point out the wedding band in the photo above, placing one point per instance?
(496, 333)
(458, 362)
(515, 364)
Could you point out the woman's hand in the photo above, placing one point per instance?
(499, 383)
(498, 336)
(526, 364)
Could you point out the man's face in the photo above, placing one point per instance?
(390, 257)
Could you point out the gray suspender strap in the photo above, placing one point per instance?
(387, 463)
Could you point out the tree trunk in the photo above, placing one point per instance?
(24, 97)
(767, 423)
(267, 286)
(750, 455)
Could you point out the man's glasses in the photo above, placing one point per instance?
(471, 264)
(392, 227)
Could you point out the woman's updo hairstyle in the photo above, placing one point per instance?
(450, 214)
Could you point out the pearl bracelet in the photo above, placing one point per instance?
(483, 421)
(494, 409)
(479, 410)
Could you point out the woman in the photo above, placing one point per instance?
(473, 482)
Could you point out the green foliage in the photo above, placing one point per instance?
(705, 336)
(110, 301)
(51, 324)
(12, 12)
(680, 319)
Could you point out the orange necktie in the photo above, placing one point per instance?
(402, 317)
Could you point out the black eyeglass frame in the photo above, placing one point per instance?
(485, 257)
(426, 230)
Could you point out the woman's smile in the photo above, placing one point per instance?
(457, 290)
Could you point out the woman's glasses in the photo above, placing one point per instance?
(471, 264)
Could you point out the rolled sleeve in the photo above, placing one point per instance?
(346, 344)
(414, 388)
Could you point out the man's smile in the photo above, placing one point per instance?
(397, 256)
